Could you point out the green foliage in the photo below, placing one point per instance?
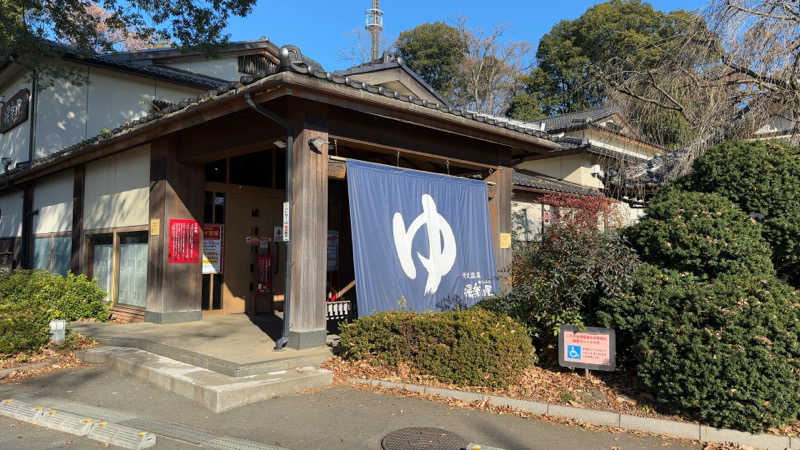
(763, 179)
(434, 51)
(30, 299)
(469, 347)
(724, 351)
(572, 55)
(705, 234)
(560, 280)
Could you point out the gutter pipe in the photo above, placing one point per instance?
(281, 343)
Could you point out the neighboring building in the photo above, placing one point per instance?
(593, 142)
(113, 177)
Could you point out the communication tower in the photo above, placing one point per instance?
(374, 26)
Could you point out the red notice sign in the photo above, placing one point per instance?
(590, 348)
(184, 241)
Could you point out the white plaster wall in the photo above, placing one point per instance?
(115, 98)
(14, 143)
(173, 92)
(61, 114)
(11, 214)
(222, 68)
(526, 220)
(573, 168)
(775, 124)
(117, 192)
(52, 197)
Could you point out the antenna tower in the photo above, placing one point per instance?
(374, 26)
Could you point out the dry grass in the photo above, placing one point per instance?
(50, 359)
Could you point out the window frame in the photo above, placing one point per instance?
(51, 237)
(90, 237)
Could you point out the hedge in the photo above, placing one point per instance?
(470, 347)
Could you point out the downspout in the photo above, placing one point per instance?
(281, 343)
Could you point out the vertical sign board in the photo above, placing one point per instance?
(212, 249)
(286, 221)
(420, 240)
(590, 348)
(184, 241)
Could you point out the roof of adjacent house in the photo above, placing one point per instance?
(526, 178)
(296, 64)
(391, 63)
(569, 120)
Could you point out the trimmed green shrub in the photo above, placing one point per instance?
(560, 280)
(30, 299)
(725, 351)
(763, 179)
(470, 347)
(705, 234)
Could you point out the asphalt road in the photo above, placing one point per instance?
(335, 418)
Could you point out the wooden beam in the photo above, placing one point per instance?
(78, 184)
(27, 227)
(500, 218)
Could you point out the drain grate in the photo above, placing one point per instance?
(423, 438)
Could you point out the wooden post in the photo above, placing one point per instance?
(308, 226)
(500, 217)
(27, 227)
(76, 262)
(174, 290)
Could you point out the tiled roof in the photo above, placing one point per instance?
(569, 120)
(521, 177)
(384, 64)
(297, 64)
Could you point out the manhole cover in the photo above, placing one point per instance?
(424, 439)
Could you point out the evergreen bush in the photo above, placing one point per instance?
(29, 300)
(705, 234)
(469, 347)
(722, 351)
(763, 179)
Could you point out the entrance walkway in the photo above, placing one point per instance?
(235, 345)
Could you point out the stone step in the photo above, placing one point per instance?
(213, 390)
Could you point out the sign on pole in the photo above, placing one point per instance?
(286, 221)
(212, 249)
(590, 348)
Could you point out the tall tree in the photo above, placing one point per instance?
(29, 27)
(571, 58)
(434, 51)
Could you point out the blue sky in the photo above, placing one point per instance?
(323, 29)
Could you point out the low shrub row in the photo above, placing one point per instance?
(469, 347)
(29, 300)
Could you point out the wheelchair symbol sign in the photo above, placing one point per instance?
(574, 351)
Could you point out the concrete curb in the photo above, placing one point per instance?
(686, 430)
(65, 422)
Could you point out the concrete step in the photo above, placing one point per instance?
(213, 390)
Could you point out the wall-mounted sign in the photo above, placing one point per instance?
(212, 249)
(14, 111)
(263, 274)
(590, 348)
(155, 227)
(184, 241)
(505, 240)
(333, 250)
(286, 221)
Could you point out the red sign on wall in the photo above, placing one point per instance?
(184, 241)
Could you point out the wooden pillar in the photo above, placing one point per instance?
(500, 217)
(174, 290)
(76, 263)
(309, 226)
(27, 227)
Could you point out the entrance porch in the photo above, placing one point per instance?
(236, 345)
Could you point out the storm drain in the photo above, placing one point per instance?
(423, 438)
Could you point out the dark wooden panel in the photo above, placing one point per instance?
(27, 227)
(500, 218)
(77, 218)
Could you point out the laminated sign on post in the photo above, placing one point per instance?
(212, 249)
(184, 241)
(590, 348)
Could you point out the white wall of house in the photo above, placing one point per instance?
(52, 198)
(68, 113)
(398, 80)
(11, 214)
(117, 192)
(225, 68)
(573, 168)
(14, 143)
